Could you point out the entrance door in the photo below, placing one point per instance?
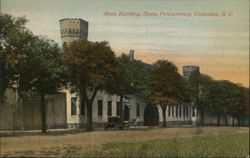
(151, 115)
(126, 113)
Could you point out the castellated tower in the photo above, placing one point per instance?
(73, 29)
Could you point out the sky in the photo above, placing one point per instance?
(218, 44)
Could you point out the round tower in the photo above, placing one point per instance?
(73, 29)
(189, 69)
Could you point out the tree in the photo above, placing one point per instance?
(92, 65)
(199, 86)
(42, 70)
(168, 86)
(237, 102)
(226, 98)
(130, 80)
(13, 38)
(246, 103)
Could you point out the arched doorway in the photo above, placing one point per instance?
(151, 115)
(126, 113)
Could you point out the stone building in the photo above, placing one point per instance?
(65, 111)
(73, 29)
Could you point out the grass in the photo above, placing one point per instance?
(146, 142)
(228, 145)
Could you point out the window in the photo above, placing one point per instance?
(176, 110)
(172, 111)
(83, 107)
(180, 112)
(118, 108)
(109, 108)
(137, 109)
(99, 107)
(184, 111)
(169, 108)
(73, 105)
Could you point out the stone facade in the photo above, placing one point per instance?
(64, 111)
(73, 29)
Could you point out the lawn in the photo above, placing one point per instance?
(149, 142)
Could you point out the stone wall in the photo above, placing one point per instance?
(26, 112)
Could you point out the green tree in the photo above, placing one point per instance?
(226, 98)
(199, 86)
(92, 66)
(236, 102)
(13, 38)
(167, 85)
(130, 80)
(42, 70)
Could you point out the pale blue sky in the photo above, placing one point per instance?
(218, 44)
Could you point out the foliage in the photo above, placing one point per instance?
(131, 79)
(42, 68)
(13, 38)
(227, 98)
(167, 85)
(200, 86)
(92, 66)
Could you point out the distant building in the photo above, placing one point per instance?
(132, 55)
(73, 29)
(189, 69)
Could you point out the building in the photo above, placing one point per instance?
(189, 69)
(73, 29)
(65, 111)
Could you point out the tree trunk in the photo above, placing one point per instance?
(218, 119)
(1, 78)
(238, 118)
(121, 109)
(202, 117)
(44, 113)
(89, 117)
(89, 103)
(226, 123)
(233, 121)
(164, 107)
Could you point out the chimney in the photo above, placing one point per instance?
(132, 55)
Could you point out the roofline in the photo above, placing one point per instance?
(72, 19)
(190, 66)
